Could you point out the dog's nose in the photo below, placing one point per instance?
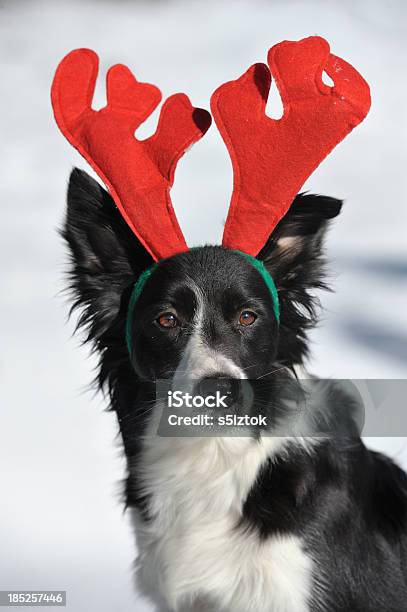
(220, 383)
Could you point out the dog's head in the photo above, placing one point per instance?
(204, 313)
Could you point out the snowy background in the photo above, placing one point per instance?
(61, 521)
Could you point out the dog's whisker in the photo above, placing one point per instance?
(271, 372)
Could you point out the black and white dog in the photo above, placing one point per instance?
(260, 523)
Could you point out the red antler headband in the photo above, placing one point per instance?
(271, 158)
(138, 174)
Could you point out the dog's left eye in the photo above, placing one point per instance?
(167, 320)
(247, 317)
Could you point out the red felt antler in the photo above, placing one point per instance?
(273, 158)
(138, 174)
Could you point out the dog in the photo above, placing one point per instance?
(285, 522)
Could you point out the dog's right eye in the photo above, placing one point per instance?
(167, 320)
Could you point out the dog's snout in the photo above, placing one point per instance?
(219, 385)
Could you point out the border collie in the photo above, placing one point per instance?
(276, 520)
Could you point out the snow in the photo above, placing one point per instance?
(61, 519)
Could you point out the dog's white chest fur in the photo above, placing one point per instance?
(193, 553)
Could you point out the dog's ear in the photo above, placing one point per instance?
(106, 257)
(294, 257)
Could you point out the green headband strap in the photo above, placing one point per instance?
(261, 268)
(142, 279)
(135, 294)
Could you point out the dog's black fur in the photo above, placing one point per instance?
(347, 503)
